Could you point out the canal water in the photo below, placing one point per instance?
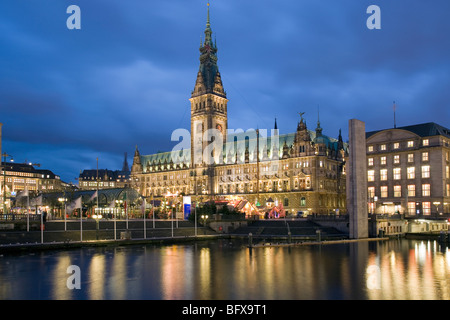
(227, 269)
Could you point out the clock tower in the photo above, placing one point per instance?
(208, 99)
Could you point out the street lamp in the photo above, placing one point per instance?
(437, 203)
(375, 199)
(97, 217)
(63, 200)
(119, 203)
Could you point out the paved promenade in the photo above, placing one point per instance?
(60, 231)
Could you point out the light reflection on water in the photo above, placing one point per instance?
(401, 269)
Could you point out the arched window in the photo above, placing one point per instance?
(303, 202)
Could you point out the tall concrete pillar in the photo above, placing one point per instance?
(357, 181)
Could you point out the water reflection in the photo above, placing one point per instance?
(226, 269)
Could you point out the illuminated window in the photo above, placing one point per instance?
(397, 173)
(411, 207)
(303, 202)
(426, 207)
(411, 157)
(411, 190)
(370, 162)
(371, 192)
(383, 160)
(425, 171)
(397, 191)
(424, 156)
(396, 145)
(370, 148)
(383, 147)
(396, 159)
(384, 192)
(448, 190)
(411, 172)
(447, 172)
(371, 175)
(410, 144)
(383, 174)
(425, 190)
(425, 142)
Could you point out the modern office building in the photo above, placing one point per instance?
(408, 170)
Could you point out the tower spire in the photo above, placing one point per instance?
(318, 129)
(208, 31)
(125, 166)
(208, 24)
(208, 77)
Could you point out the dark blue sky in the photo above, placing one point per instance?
(124, 79)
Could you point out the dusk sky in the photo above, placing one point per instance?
(124, 79)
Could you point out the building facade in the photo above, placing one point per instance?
(16, 178)
(302, 171)
(408, 170)
(104, 178)
(92, 179)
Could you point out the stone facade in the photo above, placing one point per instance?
(357, 181)
(408, 170)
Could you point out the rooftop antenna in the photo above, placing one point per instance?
(395, 124)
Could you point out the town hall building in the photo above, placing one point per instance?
(303, 171)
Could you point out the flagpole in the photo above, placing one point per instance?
(97, 188)
(81, 221)
(42, 228)
(153, 211)
(65, 215)
(145, 229)
(28, 211)
(126, 209)
(113, 205)
(115, 214)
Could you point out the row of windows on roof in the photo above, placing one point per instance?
(397, 145)
(396, 159)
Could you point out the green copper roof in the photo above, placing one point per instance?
(236, 146)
